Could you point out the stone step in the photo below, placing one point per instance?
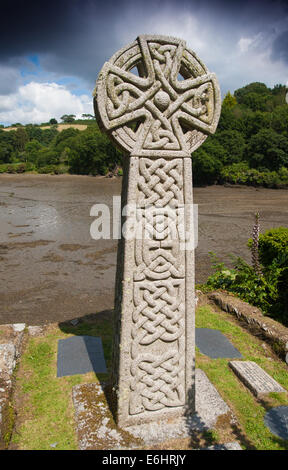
(255, 378)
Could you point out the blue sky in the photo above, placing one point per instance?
(53, 52)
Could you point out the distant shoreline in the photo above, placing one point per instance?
(104, 177)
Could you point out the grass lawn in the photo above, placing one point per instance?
(251, 432)
(45, 414)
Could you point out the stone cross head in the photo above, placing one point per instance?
(167, 108)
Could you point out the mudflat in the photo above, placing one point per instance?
(51, 270)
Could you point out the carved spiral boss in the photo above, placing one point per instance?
(158, 116)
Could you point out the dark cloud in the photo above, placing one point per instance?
(280, 47)
(68, 35)
(75, 37)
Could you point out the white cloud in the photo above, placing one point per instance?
(248, 44)
(231, 51)
(244, 44)
(39, 102)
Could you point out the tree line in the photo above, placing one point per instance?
(250, 145)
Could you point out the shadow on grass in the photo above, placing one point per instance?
(201, 436)
(95, 324)
(208, 437)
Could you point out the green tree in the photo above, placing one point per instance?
(254, 121)
(46, 156)
(279, 120)
(32, 149)
(92, 153)
(5, 152)
(68, 118)
(268, 149)
(228, 119)
(206, 169)
(88, 116)
(229, 100)
(34, 132)
(233, 144)
(21, 138)
(7, 145)
(254, 96)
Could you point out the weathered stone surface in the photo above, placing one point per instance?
(7, 365)
(209, 406)
(275, 333)
(7, 359)
(19, 327)
(11, 340)
(94, 423)
(96, 428)
(255, 378)
(176, 115)
(276, 419)
(35, 330)
(154, 299)
(227, 446)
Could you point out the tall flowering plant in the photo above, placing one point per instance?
(255, 246)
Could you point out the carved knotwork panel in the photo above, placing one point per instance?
(158, 313)
(167, 109)
(158, 381)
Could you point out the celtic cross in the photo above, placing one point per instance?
(158, 116)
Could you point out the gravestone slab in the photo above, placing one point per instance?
(79, 355)
(214, 344)
(276, 420)
(255, 378)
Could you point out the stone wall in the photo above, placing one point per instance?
(273, 332)
(11, 339)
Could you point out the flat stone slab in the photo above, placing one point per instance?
(35, 330)
(96, 428)
(255, 378)
(276, 420)
(214, 344)
(227, 446)
(79, 355)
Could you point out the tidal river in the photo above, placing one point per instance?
(51, 270)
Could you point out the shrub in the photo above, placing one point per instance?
(272, 244)
(240, 173)
(3, 168)
(48, 169)
(269, 291)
